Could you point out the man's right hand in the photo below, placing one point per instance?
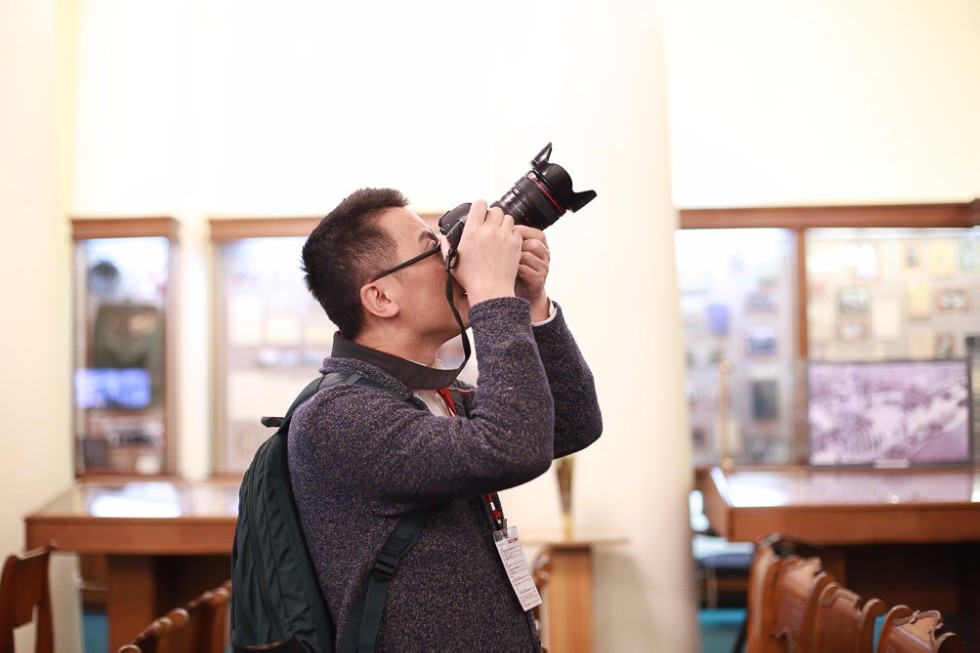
(489, 254)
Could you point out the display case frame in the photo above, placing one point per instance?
(235, 439)
(124, 399)
(856, 327)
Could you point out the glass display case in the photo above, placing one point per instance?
(123, 303)
(737, 301)
(876, 294)
(766, 291)
(270, 334)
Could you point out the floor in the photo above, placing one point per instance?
(719, 628)
(94, 631)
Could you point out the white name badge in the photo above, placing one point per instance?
(512, 555)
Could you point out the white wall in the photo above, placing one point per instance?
(830, 102)
(210, 108)
(35, 448)
(227, 108)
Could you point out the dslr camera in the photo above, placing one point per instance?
(537, 199)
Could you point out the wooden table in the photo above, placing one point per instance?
(165, 541)
(568, 608)
(905, 536)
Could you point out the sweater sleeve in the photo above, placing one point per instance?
(578, 419)
(394, 451)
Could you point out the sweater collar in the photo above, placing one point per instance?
(414, 375)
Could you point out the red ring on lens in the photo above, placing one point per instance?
(533, 177)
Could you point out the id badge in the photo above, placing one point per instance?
(512, 555)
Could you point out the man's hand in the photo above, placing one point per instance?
(489, 254)
(533, 271)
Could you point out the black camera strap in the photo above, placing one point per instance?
(451, 256)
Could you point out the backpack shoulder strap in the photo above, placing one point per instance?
(314, 386)
(362, 631)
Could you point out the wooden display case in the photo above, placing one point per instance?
(123, 345)
(270, 335)
(794, 284)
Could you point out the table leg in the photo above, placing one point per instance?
(569, 599)
(130, 597)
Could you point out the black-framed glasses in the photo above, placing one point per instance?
(404, 264)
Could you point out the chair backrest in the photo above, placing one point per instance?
(844, 622)
(157, 637)
(760, 607)
(208, 630)
(798, 586)
(905, 631)
(541, 574)
(24, 588)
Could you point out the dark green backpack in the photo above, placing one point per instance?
(276, 597)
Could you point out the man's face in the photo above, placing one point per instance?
(420, 288)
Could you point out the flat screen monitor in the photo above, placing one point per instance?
(889, 413)
(112, 388)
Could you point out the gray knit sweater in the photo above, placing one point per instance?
(360, 458)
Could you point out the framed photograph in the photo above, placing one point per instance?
(944, 345)
(912, 257)
(851, 331)
(765, 400)
(761, 342)
(718, 319)
(951, 300)
(853, 300)
(760, 301)
(918, 300)
(889, 413)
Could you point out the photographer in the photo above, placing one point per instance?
(361, 457)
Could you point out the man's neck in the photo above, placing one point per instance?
(397, 344)
(413, 374)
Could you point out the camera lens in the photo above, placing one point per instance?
(530, 203)
(537, 199)
(544, 194)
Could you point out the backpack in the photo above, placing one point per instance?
(276, 596)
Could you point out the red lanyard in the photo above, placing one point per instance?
(447, 398)
(491, 498)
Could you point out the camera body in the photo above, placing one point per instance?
(537, 199)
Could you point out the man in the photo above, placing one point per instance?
(362, 457)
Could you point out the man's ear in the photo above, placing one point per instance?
(376, 302)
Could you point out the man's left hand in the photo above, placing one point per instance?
(533, 271)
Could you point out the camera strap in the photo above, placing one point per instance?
(450, 261)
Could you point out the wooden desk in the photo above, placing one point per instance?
(568, 609)
(165, 541)
(904, 536)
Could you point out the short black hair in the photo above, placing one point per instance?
(346, 249)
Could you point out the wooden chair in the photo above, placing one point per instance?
(798, 586)
(541, 574)
(200, 626)
(24, 587)
(905, 631)
(157, 637)
(292, 646)
(762, 585)
(844, 622)
(207, 630)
